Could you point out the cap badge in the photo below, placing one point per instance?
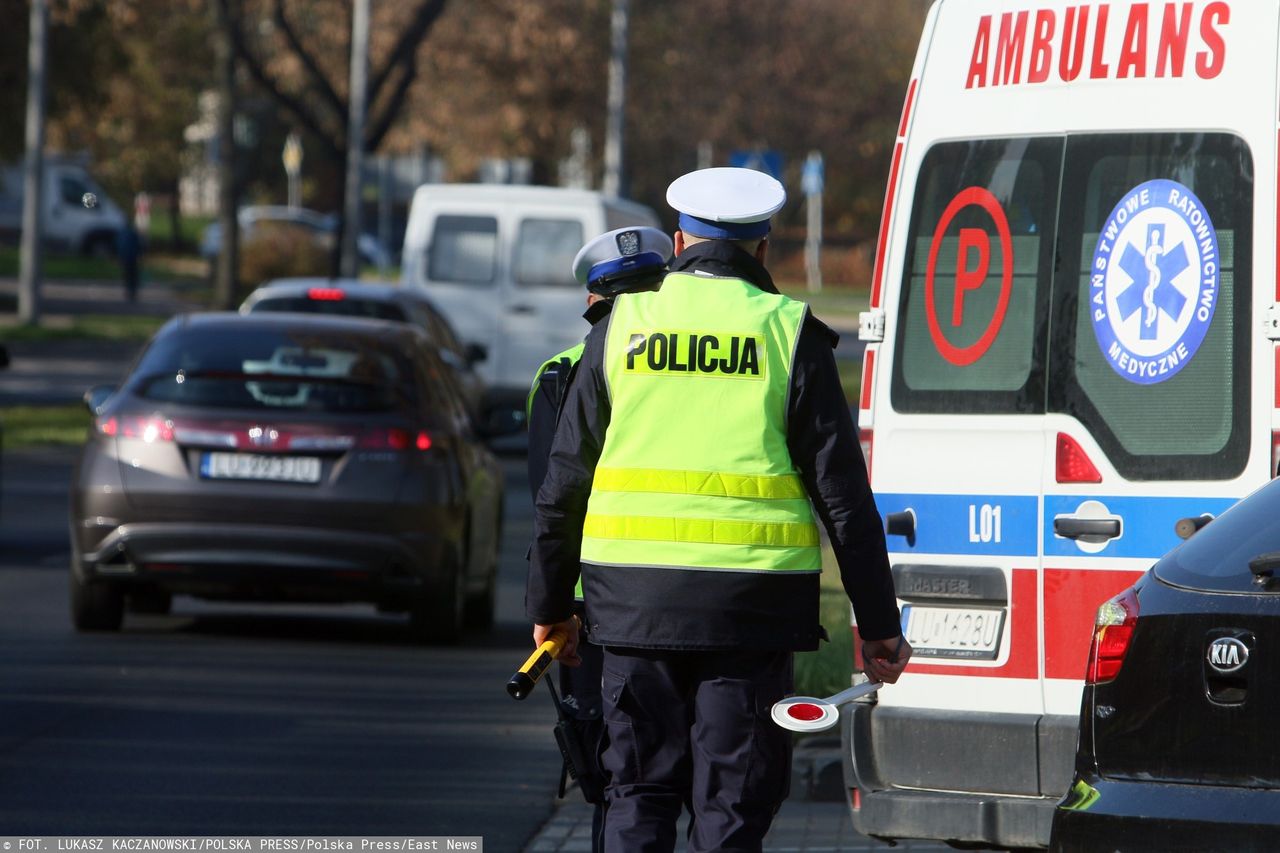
(629, 243)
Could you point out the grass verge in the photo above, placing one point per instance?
(35, 426)
(829, 669)
(90, 327)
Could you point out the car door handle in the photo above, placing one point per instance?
(521, 309)
(1072, 527)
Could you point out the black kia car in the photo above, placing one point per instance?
(1179, 744)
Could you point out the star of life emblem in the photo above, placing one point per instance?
(629, 243)
(1153, 284)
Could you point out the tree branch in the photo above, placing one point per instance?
(407, 47)
(335, 143)
(319, 81)
(378, 128)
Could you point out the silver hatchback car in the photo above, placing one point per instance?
(282, 457)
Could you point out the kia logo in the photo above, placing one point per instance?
(1227, 654)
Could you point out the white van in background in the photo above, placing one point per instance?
(68, 224)
(497, 259)
(1072, 352)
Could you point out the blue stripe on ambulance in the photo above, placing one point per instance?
(994, 525)
(1146, 526)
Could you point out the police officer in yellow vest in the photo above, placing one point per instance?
(705, 427)
(625, 260)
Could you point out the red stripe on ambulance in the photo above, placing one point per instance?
(1019, 48)
(1071, 601)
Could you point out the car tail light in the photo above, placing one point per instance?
(1074, 465)
(326, 294)
(394, 438)
(147, 428)
(864, 439)
(1112, 632)
(1275, 454)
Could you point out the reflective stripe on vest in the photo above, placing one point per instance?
(695, 471)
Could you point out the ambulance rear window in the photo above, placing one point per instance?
(1151, 301)
(974, 301)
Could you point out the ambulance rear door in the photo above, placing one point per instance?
(958, 461)
(1160, 376)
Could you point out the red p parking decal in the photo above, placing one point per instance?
(973, 265)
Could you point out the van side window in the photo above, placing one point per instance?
(972, 313)
(463, 249)
(544, 251)
(1151, 314)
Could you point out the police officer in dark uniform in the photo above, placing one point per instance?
(705, 427)
(620, 261)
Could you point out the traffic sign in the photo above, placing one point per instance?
(813, 176)
(769, 162)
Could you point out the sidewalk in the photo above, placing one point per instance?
(52, 372)
(815, 819)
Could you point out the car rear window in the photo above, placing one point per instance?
(463, 249)
(292, 370)
(1217, 558)
(544, 252)
(346, 307)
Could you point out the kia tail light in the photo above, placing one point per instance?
(1112, 633)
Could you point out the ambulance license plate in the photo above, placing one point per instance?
(253, 466)
(953, 632)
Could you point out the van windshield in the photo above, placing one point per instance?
(463, 249)
(544, 252)
(1102, 276)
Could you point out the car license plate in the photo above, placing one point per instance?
(953, 632)
(254, 466)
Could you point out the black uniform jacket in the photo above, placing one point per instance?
(669, 608)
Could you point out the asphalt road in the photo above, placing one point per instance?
(231, 719)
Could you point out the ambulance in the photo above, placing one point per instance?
(1071, 360)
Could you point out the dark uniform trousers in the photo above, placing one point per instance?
(580, 687)
(693, 726)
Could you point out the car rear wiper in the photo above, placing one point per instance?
(1263, 567)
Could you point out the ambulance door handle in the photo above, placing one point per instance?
(1070, 527)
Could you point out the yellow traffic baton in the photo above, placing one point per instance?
(526, 677)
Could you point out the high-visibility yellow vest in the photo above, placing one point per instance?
(572, 355)
(695, 471)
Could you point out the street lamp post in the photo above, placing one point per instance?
(30, 255)
(350, 263)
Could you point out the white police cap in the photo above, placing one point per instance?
(622, 252)
(726, 203)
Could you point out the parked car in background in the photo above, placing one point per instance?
(278, 457)
(1177, 747)
(323, 227)
(67, 222)
(382, 302)
(498, 260)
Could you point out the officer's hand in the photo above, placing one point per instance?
(884, 660)
(569, 653)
